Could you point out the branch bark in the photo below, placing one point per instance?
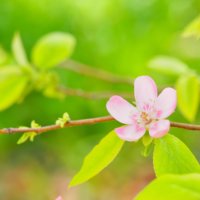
(93, 95)
(88, 121)
(87, 70)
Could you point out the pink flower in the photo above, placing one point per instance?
(59, 198)
(150, 111)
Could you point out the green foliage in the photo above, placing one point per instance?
(147, 140)
(168, 65)
(49, 51)
(12, 84)
(62, 121)
(48, 83)
(99, 158)
(3, 56)
(148, 145)
(177, 187)
(188, 95)
(18, 50)
(172, 156)
(28, 135)
(193, 29)
(52, 49)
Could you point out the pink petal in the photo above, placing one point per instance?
(130, 132)
(166, 103)
(159, 128)
(59, 198)
(121, 110)
(145, 92)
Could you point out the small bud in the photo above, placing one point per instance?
(62, 121)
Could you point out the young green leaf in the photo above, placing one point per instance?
(172, 156)
(168, 65)
(188, 95)
(177, 187)
(62, 121)
(193, 29)
(18, 50)
(12, 85)
(29, 135)
(52, 49)
(34, 124)
(99, 158)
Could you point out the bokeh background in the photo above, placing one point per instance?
(120, 36)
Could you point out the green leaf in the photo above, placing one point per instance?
(49, 83)
(168, 65)
(193, 29)
(176, 187)
(35, 125)
(172, 156)
(12, 85)
(29, 135)
(18, 50)
(188, 95)
(62, 121)
(99, 158)
(3, 56)
(52, 49)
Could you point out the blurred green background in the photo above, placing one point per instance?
(119, 36)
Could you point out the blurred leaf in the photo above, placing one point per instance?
(193, 29)
(48, 83)
(12, 85)
(172, 156)
(3, 56)
(188, 95)
(177, 187)
(52, 49)
(168, 65)
(18, 50)
(62, 121)
(99, 158)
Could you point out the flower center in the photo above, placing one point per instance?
(145, 118)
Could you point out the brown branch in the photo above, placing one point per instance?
(87, 70)
(55, 127)
(104, 75)
(89, 121)
(192, 127)
(92, 95)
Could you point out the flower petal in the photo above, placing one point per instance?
(130, 132)
(145, 92)
(166, 103)
(121, 110)
(159, 128)
(59, 198)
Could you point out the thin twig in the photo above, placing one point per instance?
(54, 126)
(92, 95)
(192, 127)
(89, 121)
(87, 70)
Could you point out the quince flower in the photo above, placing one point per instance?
(59, 198)
(150, 111)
